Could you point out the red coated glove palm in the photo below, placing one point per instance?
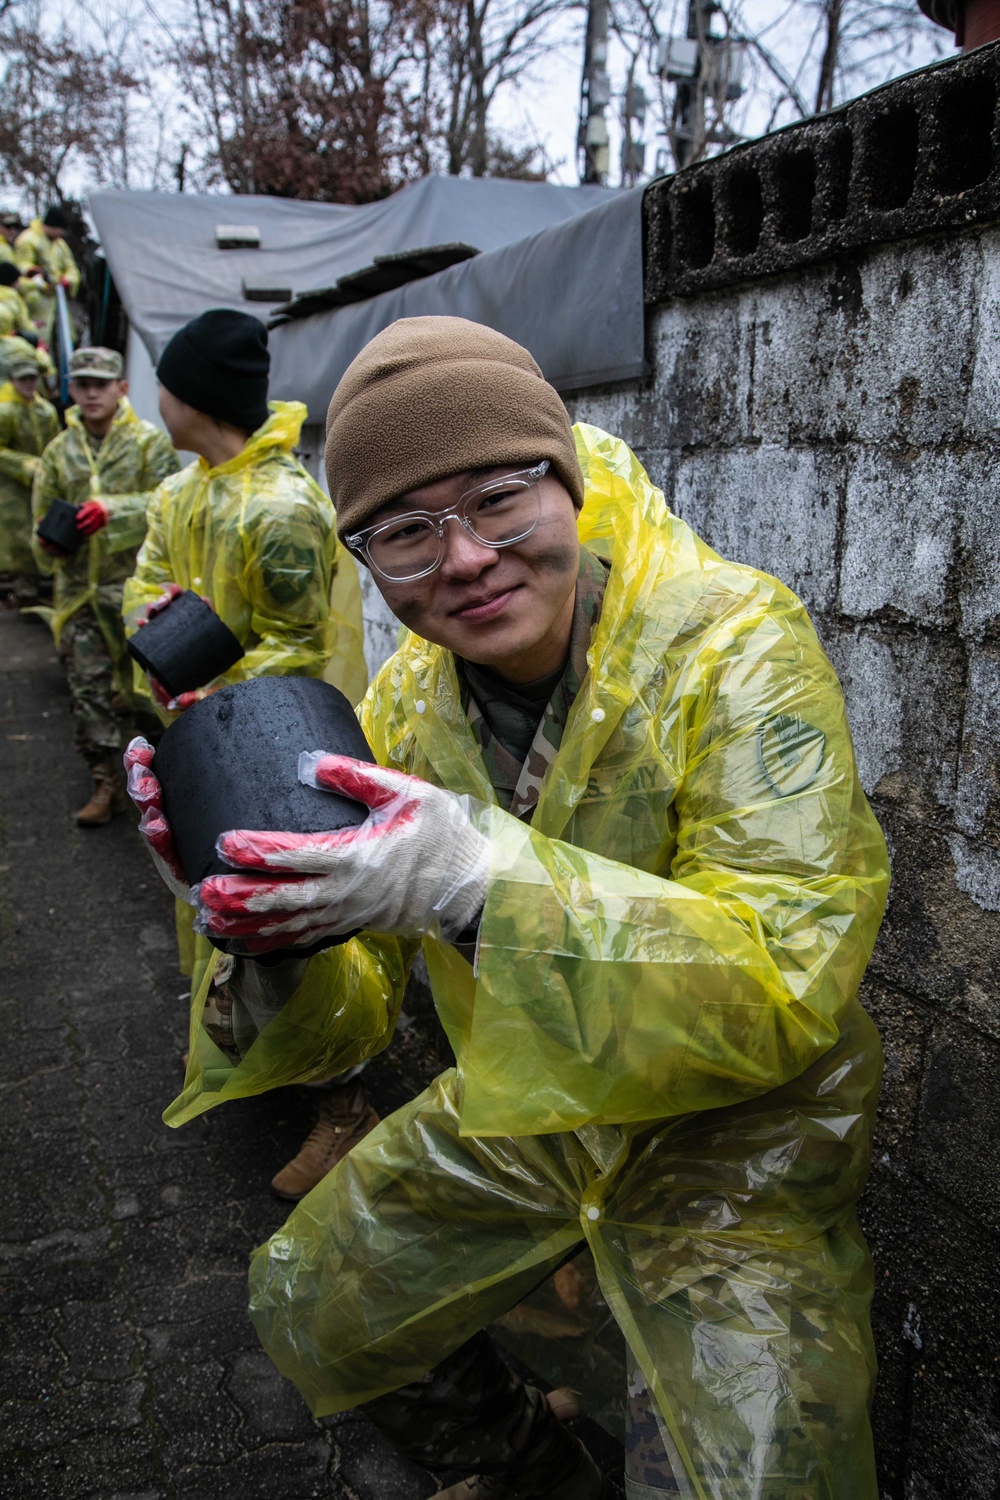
(92, 516)
(147, 794)
(417, 858)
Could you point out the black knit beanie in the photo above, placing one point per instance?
(218, 363)
(9, 274)
(55, 218)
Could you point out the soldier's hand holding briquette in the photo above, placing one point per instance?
(415, 860)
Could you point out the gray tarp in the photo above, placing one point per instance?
(562, 273)
(571, 294)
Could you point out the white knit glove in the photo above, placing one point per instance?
(415, 859)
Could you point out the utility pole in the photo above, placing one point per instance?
(704, 67)
(689, 101)
(592, 142)
(634, 103)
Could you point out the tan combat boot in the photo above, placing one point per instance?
(108, 798)
(345, 1117)
(581, 1479)
(557, 1465)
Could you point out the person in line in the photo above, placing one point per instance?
(248, 529)
(10, 228)
(106, 463)
(46, 260)
(14, 317)
(28, 423)
(616, 801)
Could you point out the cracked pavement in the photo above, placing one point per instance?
(131, 1370)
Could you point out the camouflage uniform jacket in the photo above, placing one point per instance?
(26, 427)
(517, 784)
(131, 460)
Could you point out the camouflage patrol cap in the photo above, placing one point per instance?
(15, 352)
(22, 365)
(98, 363)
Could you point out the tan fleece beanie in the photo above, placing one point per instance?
(430, 397)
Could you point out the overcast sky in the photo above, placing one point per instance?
(543, 108)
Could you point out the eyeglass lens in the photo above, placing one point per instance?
(496, 517)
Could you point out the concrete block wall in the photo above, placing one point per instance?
(838, 425)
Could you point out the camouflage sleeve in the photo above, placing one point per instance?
(13, 462)
(45, 488)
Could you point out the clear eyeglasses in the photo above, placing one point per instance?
(497, 512)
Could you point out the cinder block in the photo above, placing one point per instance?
(899, 534)
(911, 345)
(984, 385)
(703, 359)
(770, 507)
(873, 348)
(979, 573)
(607, 407)
(977, 805)
(904, 704)
(977, 870)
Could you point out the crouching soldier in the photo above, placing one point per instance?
(617, 804)
(106, 463)
(27, 424)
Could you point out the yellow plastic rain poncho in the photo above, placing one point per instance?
(13, 312)
(55, 260)
(132, 459)
(660, 1052)
(256, 536)
(26, 427)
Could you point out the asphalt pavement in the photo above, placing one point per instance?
(129, 1369)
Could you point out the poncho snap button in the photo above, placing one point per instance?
(593, 1212)
(598, 715)
(420, 706)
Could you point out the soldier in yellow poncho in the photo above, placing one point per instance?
(42, 253)
(27, 424)
(14, 317)
(106, 464)
(617, 803)
(10, 228)
(247, 528)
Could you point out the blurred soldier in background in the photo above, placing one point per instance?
(14, 316)
(44, 256)
(27, 424)
(105, 463)
(10, 228)
(247, 528)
